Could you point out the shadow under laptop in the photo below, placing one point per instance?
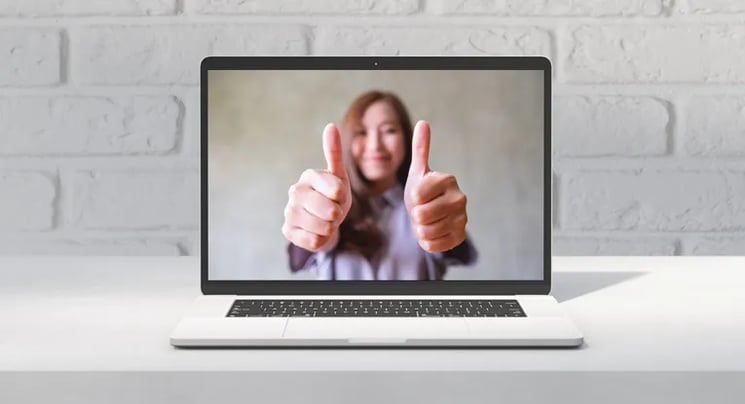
(569, 285)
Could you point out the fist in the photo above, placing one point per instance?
(436, 205)
(320, 200)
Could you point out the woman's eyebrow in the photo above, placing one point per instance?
(387, 122)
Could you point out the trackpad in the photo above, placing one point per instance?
(395, 329)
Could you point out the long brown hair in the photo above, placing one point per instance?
(359, 232)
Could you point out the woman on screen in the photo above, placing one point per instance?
(377, 212)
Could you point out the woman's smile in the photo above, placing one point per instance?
(378, 159)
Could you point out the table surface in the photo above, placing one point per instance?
(116, 313)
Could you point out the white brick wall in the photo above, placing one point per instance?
(28, 201)
(99, 110)
(653, 200)
(615, 246)
(156, 55)
(38, 8)
(305, 7)
(659, 53)
(715, 126)
(578, 8)
(431, 40)
(88, 125)
(135, 199)
(610, 126)
(31, 57)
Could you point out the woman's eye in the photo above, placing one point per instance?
(390, 130)
(360, 133)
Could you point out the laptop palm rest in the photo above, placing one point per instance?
(376, 330)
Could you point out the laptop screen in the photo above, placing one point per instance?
(332, 175)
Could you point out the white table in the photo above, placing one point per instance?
(657, 329)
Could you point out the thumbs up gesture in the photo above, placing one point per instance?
(320, 200)
(436, 205)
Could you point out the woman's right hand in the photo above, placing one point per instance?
(320, 200)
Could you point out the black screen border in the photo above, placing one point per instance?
(313, 287)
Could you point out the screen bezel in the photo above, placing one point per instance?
(312, 287)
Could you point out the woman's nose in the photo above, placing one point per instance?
(373, 140)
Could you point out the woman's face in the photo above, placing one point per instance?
(378, 145)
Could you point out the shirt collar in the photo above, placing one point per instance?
(393, 195)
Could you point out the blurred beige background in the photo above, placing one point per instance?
(265, 129)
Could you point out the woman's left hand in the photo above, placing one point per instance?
(435, 203)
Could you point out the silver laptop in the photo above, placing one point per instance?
(375, 201)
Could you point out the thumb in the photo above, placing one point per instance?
(332, 151)
(420, 149)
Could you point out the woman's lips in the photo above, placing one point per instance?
(378, 159)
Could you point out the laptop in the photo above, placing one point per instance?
(375, 201)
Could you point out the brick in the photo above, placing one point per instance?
(711, 6)
(715, 126)
(610, 126)
(190, 145)
(716, 245)
(171, 54)
(47, 8)
(656, 53)
(28, 201)
(30, 57)
(304, 7)
(588, 8)
(88, 125)
(432, 41)
(135, 199)
(566, 245)
(89, 247)
(661, 200)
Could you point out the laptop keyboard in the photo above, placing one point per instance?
(376, 308)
